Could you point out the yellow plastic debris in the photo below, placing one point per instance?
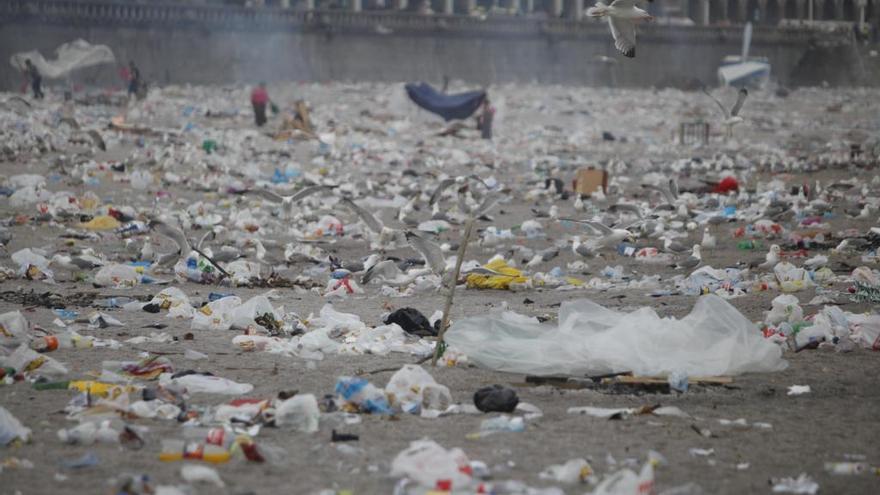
(510, 276)
(101, 389)
(103, 222)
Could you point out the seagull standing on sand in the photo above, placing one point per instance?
(708, 239)
(622, 17)
(673, 247)
(692, 261)
(772, 257)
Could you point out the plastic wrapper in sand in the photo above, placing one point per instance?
(714, 339)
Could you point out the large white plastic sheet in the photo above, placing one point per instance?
(70, 56)
(714, 339)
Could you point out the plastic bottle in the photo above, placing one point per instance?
(846, 467)
(500, 424)
(179, 450)
(66, 340)
(113, 302)
(748, 245)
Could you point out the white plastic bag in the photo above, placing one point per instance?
(118, 275)
(428, 463)
(25, 358)
(13, 329)
(194, 473)
(216, 315)
(413, 390)
(207, 384)
(867, 332)
(714, 339)
(573, 471)
(627, 482)
(784, 307)
(11, 428)
(244, 316)
(299, 412)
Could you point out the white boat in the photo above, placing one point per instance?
(741, 70)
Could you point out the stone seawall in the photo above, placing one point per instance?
(176, 43)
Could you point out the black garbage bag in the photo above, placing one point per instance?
(412, 321)
(496, 398)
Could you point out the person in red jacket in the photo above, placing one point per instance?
(259, 99)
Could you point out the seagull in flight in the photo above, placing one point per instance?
(731, 117)
(608, 237)
(622, 17)
(177, 236)
(446, 183)
(287, 202)
(669, 191)
(385, 236)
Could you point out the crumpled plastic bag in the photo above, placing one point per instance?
(412, 389)
(867, 332)
(13, 329)
(243, 272)
(103, 222)
(573, 471)
(118, 275)
(26, 360)
(784, 307)
(479, 281)
(627, 482)
(299, 412)
(206, 384)
(246, 315)
(427, 463)
(216, 315)
(791, 278)
(714, 339)
(11, 428)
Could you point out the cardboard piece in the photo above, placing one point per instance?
(590, 180)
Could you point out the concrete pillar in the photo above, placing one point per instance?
(516, 6)
(576, 11)
(448, 7)
(401, 4)
(310, 5)
(530, 6)
(285, 4)
(557, 8)
(722, 10)
(356, 6)
(762, 12)
(704, 12)
(838, 10)
(741, 7)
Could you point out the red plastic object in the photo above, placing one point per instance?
(726, 185)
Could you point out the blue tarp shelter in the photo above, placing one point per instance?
(450, 107)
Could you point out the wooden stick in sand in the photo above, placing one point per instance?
(444, 323)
